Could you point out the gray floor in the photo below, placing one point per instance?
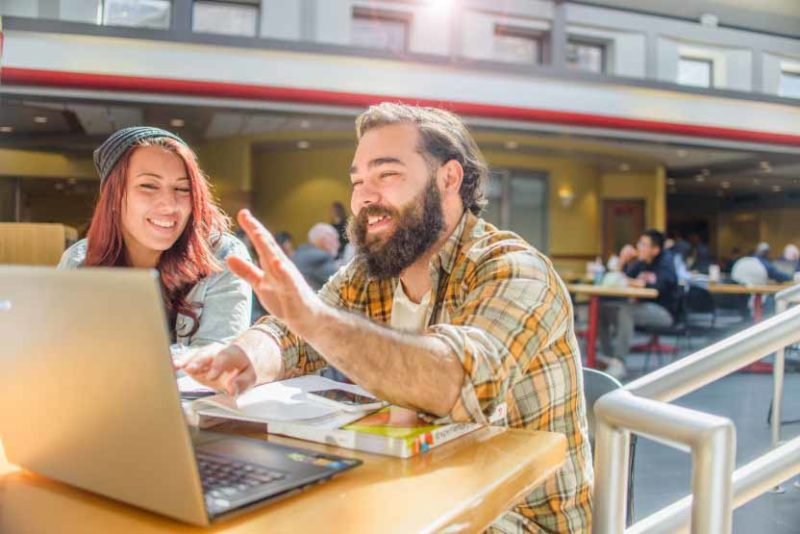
(662, 474)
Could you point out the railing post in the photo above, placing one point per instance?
(612, 448)
(714, 457)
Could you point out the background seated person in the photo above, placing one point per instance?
(155, 211)
(439, 311)
(317, 258)
(648, 265)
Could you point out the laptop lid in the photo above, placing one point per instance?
(82, 397)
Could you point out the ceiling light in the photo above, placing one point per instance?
(670, 181)
(725, 185)
(776, 188)
(624, 167)
(511, 145)
(302, 145)
(699, 178)
(305, 124)
(756, 181)
(682, 153)
(40, 119)
(6, 129)
(177, 123)
(705, 172)
(765, 166)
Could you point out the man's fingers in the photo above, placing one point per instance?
(266, 246)
(245, 270)
(230, 359)
(240, 382)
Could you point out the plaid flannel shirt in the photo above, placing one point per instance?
(506, 314)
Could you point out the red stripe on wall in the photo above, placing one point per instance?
(82, 80)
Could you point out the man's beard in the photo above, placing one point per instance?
(418, 226)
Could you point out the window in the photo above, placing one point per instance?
(137, 13)
(382, 30)
(789, 84)
(696, 72)
(228, 18)
(517, 45)
(518, 202)
(590, 57)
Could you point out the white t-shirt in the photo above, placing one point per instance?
(407, 315)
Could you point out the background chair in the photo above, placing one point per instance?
(595, 385)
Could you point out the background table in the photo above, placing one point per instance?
(758, 292)
(467, 482)
(594, 293)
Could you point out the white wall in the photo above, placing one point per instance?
(19, 8)
(281, 19)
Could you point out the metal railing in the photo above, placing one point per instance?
(642, 407)
(782, 300)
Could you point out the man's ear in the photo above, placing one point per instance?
(453, 174)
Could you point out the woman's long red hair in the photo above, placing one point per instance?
(190, 259)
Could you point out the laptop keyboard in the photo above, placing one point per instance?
(228, 483)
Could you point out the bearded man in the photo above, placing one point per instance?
(439, 311)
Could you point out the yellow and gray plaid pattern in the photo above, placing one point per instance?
(508, 317)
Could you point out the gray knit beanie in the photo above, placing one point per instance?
(108, 154)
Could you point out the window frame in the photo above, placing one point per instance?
(697, 59)
(168, 27)
(248, 3)
(372, 13)
(604, 53)
(534, 34)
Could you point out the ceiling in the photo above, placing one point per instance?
(770, 16)
(78, 127)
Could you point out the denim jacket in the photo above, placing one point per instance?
(225, 298)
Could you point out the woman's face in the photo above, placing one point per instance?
(157, 204)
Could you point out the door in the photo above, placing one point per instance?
(623, 223)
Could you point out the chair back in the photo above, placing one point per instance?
(749, 271)
(595, 385)
(699, 300)
(32, 243)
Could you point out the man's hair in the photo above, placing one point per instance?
(320, 231)
(443, 137)
(656, 238)
(283, 237)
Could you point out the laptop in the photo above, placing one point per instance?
(88, 396)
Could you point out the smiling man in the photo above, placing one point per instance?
(439, 311)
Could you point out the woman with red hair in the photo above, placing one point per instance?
(155, 211)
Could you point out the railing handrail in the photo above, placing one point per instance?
(788, 294)
(713, 449)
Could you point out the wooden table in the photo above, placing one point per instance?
(594, 293)
(758, 292)
(463, 485)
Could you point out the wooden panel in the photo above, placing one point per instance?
(31, 243)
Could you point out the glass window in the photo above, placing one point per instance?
(518, 202)
(586, 56)
(137, 13)
(528, 209)
(696, 72)
(518, 45)
(380, 30)
(790, 84)
(229, 18)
